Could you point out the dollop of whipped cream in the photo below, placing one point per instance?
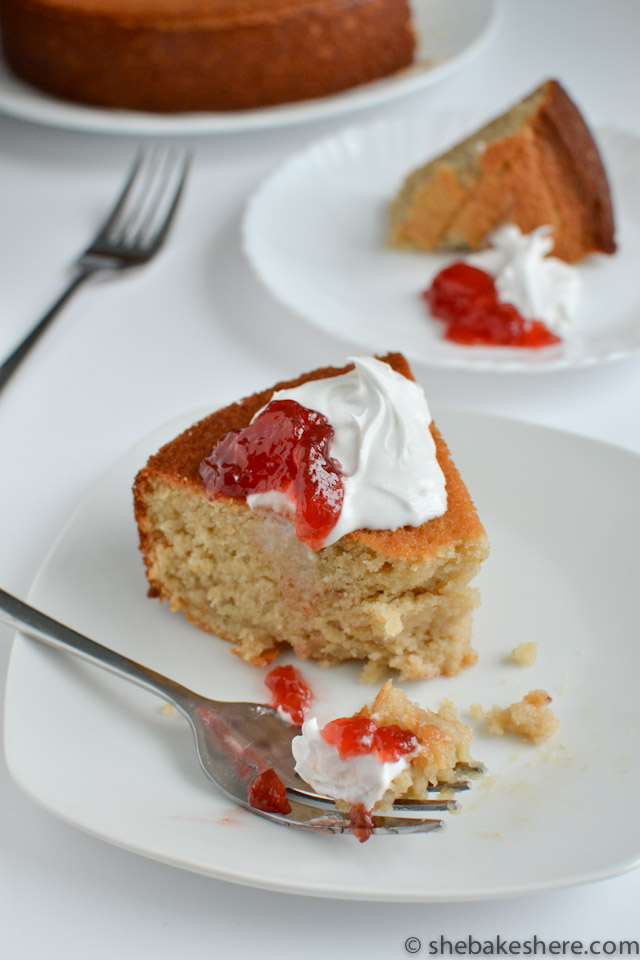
(540, 287)
(363, 779)
(391, 475)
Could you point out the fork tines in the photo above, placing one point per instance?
(442, 802)
(327, 820)
(149, 199)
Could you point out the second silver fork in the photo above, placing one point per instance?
(132, 234)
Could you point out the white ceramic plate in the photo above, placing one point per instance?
(101, 754)
(314, 232)
(449, 33)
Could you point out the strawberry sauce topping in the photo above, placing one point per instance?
(267, 792)
(289, 691)
(356, 736)
(285, 448)
(466, 298)
(360, 822)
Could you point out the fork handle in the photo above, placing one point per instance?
(39, 626)
(21, 351)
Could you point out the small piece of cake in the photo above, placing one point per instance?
(169, 56)
(397, 598)
(393, 749)
(531, 717)
(525, 654)
(536, 165)
(444, 742)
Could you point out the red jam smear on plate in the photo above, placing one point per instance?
(285, 448)
(267, 792)
(289, 691)
(357, 736)
(466, 299)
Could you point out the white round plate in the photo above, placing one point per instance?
(314, 232)
(102, 755)
(449, 33)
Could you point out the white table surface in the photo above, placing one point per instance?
(124, 357)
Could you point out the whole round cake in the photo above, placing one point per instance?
(170, 56)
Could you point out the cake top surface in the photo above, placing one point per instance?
(178, 462)
(211, 12)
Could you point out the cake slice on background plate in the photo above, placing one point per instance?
(535, 165)
(334, 522)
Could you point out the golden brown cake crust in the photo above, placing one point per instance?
(563, 126)
(203, 55)
(179, 462)
(535, 165)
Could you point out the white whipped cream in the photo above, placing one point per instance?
(363, 779)
(538, 286)
(391, 475)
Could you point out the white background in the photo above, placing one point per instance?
(196, 329)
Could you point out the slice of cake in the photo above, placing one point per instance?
(394, 749)
(536, 165)
(362, 578)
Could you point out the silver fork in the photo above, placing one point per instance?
(131, 235)
(235, 741)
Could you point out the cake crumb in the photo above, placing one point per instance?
(531, 717)
(167, 710)
(525, 654)
(372, 672)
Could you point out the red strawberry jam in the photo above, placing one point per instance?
(289, 691)
(467, 300)
(356, 736)
(351, 736)
(360, 822)
(267, 792)
(392, 742)
(285, 448)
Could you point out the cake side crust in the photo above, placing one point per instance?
(562, 125)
